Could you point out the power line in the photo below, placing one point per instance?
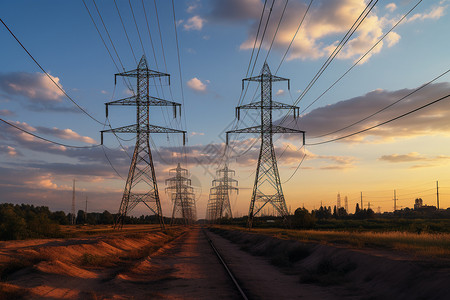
(107, 32)
(179, 70)
(256, 39)
(137, 28)
(336, 51)
(44, 139)
(362, 57)
(276, 31)
(383, 123)
(125, 30)
(110, 163)
(50, 77)
(295, 35)
(386, 107)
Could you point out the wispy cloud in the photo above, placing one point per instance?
(434, 13)
(194, 23)
(425, 161)
(6, 112)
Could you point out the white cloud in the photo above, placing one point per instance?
(435, 13)
(66, 134)
(325, 25)
(194, 23)
(197, 133)
(280, 92)
(391, 7)
(193, 6)
(197, 85)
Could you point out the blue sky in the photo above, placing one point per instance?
(215, 43)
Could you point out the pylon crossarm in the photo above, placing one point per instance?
(254, 129)
(149, 100)
(142, 72)
(150, 129)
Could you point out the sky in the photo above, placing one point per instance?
(82, 44)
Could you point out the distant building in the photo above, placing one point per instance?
(418, 206)
(418, 203)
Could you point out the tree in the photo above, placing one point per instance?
(303, 219)
(357, 208)
(106, 218)
(12, 226)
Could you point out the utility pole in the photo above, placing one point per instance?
(437, 194)
(182, 194)
(72, 221)
(219, 197)
(141, 185)
(338, 201)
(361, 202)
(85, 212)
(395, 201)
(267, 187)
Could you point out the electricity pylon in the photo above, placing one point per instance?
(141, 185)
(219, 198)
(182, 194)
(267, 186)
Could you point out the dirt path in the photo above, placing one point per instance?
(185, 268)
(262, 280)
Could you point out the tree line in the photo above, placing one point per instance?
(27, 221)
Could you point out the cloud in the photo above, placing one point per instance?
(196, 133)
(280, 92)
(396, 158)
(391, 7)
(11, 151)
(37, 89)
(414, 157)
(66, 134)
(34, 86)
(6, 112)
(235, 10)
(194, 23)
(197, 85)
(323, 28)
(435, 13)
(429, 121)
(193, 6)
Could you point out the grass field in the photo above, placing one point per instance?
(430, 245)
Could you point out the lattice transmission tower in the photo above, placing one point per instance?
(219, 205)
(267, 187)
(179, 186)
(141, 185)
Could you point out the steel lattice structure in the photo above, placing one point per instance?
(182, 194)
(219, 198)
(141, 185)
(267, 186)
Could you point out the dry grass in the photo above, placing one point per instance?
(434, 245)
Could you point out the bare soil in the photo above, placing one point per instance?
(180, 264)
(342, 272)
